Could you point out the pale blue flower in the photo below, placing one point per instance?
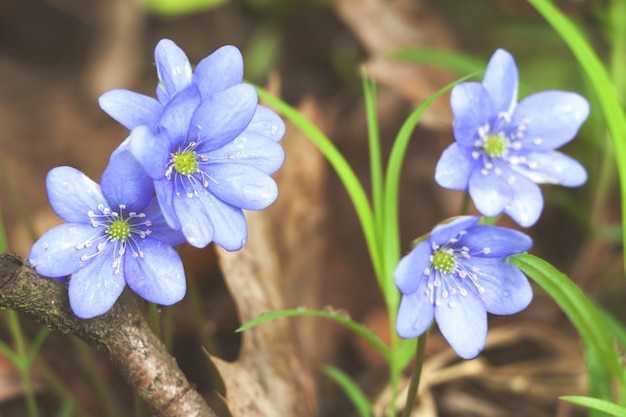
(504, 149)
(207, 144)
(209, 161)
(458, 275)
(115, 235)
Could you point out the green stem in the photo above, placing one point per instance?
(23, 365)
(417, 373)
(94, 375)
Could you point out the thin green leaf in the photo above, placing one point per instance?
(67, 409)
(376, 162)
(178, 7)
(344, 171)
(338, 316)
(405, 352)
(451, 60)
(391, 228)
(602, 85)
(358, 398)
(14, 358)
(615, 326)
(599, 381)
(597, 404)
(33, 349)
(578, 308)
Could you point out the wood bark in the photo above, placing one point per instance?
(121, 334)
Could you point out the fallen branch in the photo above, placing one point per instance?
(121, 334)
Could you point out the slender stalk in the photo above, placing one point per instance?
(23, 365)
(417, 373)
(100, 388)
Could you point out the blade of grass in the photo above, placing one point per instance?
(336, 315)
(602, 85)
(356, 396)
(344, 171)
(578, 308)
(597, 404)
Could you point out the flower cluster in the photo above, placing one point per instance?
(204, 147)
(502, 151)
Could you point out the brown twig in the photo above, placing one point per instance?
(121, 334)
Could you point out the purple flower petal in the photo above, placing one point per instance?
(493, 241)
(94, 289)
(553, 168)
(491, 193)
(124, 181)
(501, 79)
(443, 232)
(552, 118)
(409, 271)
(159, 276)
(222, 117)
(166, 194)
(55, 255)
(454, 167)
(252, 149)
(415, 313)
(173, 68)
(527, 202)
(151, 152)
(231, 230)
(130, 109)
(242, 186)
(178, 113)
(220, 70)
(160, 228)
(267, 123)
(463, 322)
(472, 109)
(195, 217)
(72, 194)
(506, 289)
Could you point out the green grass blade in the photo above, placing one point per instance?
(357, 397)
(391, 227)
(456, 62)
(602, 85)
(578, 308)
(67, 408)
(597, 404)
(376, 163)
(33, 349)
(338, 316)
(344, 171)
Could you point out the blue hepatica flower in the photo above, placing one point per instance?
(217, 72)
(206, 143)
(504, 149)
(457, 276)
(208, 163)
(115, 235)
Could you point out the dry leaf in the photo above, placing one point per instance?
(279, 268)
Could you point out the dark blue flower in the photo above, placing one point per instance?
(115, 235)
(457, 276)
(504, 149)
